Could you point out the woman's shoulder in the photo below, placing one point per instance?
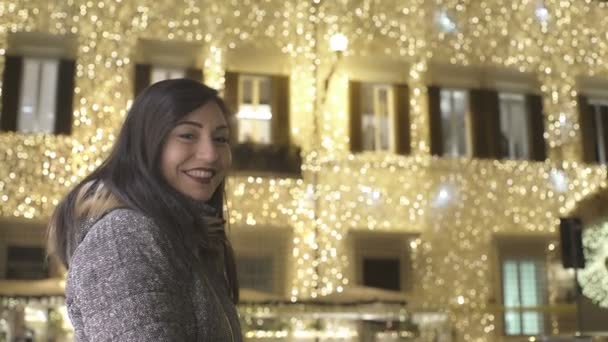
(127, 234)
(131, 225)
(124, 228)
(125, 218)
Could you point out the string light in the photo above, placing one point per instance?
(493, 197)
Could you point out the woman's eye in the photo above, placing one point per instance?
(222, 140)
(187, 136)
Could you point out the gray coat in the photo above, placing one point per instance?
(129, 281)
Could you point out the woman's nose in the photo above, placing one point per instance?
(207, 151)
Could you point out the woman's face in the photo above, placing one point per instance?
(196, 155)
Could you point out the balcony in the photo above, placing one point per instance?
(263, 158)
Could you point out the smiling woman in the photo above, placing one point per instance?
(196, 156)
(143, 236)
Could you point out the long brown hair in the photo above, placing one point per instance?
(130, 176)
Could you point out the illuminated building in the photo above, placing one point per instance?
(404, 136)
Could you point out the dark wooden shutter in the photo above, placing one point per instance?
(434, 98)
(13, 69)
(534, 104)
(65, 97)
(194, 74)
(354, 100)
(142, 78)
(478, 112)
(485, 124)
(604, 116)
(231, 97)
(280, 109)
(588, 133)
(402, 119)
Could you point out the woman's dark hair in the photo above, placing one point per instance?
(131, 174)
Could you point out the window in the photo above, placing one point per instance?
(523, 282)
(454, 125)
(262, 256)
(514, 132)
(381, 259)
(261, 107)
(37, 103)
(256, 273)
(593, 120)
(38, 84)
(383, 273)
(254, 110)
(163, 60)
(599, 110)
(377, 117)
(164, 73)
(26, 263)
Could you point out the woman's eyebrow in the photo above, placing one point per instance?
(192, 123)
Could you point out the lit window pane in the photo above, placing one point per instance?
(523, 286)
(512, 323)
(513, 126)
(369, 132)
(376, 119)
(254, 131)
(510, 284)
(160, 74)
(177, 73)
(27, 121)
(48, 96)
(255, 113)
(264, 84)
(247, 91)
(600, 120)
(38, 96)
(454, 105)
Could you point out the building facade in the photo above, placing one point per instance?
(434, 157)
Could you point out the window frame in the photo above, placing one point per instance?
(279, 106)
(152, 55)
(398, 119)
(468, 153)
(44, 268)
(272, 242)
(523, 249)
(542, 294)
(267, 120)
(376, 88)
(263, 256)
(511, 97)
(382, 245)
(27, 46)
(601, 135)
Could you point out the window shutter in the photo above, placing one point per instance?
(65, 97)
(588, 133)
(402, 119)
(484, 122)
(194, 74)
(534, 104)
(142, 78)
(354, 93)
(492, 123)
(434, 99)
(231, 97)
(11, 80)
(280, 110)
(604, 115)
